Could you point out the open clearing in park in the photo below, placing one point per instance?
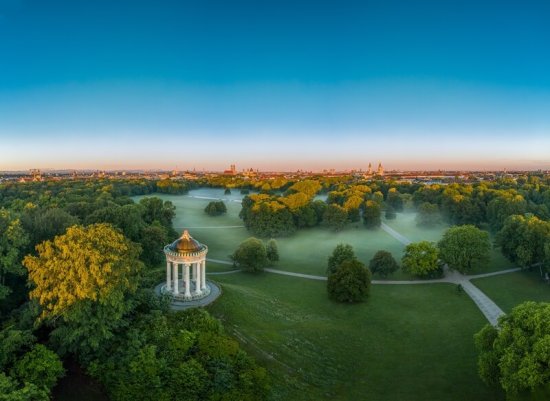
(407, 342)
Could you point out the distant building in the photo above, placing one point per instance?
(232, 170)
(380, 170)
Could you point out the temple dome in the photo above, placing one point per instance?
(186, 244)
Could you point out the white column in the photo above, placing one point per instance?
(186, 280)
(203, 273)
(175, 277)
(198, 275)
(168, 276)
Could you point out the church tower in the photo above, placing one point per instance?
(380, 170)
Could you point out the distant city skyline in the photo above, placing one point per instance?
(274, 85)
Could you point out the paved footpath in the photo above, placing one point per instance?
(401, 238)
(490, 310)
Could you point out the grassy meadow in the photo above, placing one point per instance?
(407, 342)
(511, 289)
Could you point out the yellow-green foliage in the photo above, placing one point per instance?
(95, 263)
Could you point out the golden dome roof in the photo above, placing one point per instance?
(186, 243)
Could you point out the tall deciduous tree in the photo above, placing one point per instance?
(215, 208)
(350, 282)
(383, 264)
(251, 255)
(428, 215)
(371, 214)
(421, 259)
(340, 254)
(516, 355)
(81, 281)
(12, 240)
(272, 250)
(335, 217)
(155, 209)
(40, 366)
(465, 247)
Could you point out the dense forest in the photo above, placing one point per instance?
(77, 267)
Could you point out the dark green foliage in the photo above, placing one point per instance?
(272, 250)
(371, 214)
(10, 390)
(251, 255)
(227, 191)
(33, 368)
(383, 264)
(186, 353)
(390, 213)
(13, 241)
(13, 343)
(245, 191)
(335, 217)
(153, 239)
(172, 187)
(42, 225)
(340, 254)
(267, 219)
(127, 218)
(428, 215)
(394, 200)
(40, 366)
(215, 208)
(465, 247)
(525, 240)
(507, 204)
(516, 355)
(350, 282)
(155, 209)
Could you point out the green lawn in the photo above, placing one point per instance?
(404, 343)
(508, 290)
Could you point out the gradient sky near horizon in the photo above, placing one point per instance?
(274, 85)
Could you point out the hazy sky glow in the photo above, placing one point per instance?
(274, 86)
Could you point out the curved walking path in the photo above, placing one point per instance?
(490, 310)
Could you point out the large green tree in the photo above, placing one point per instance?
(215, 208)
(335, 217)
(180, 355)
(340, 254)
(81, 281)
(523, 239)
(251, 255)
(272, 250)
(371, 214)
(350, 282)
(465, 247)
(383, 264)
(42, 225)
(40, 366)
(428, 215)
(155, 209)
(421, 259)
(12, 240)
(516, 355)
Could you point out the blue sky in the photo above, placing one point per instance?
(274, 84)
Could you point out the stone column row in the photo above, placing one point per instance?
(199, 275)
